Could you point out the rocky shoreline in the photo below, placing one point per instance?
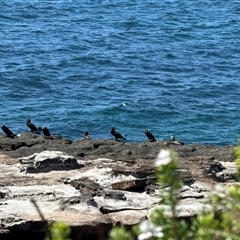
(95, 184)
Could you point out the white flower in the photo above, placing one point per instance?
(163, 158)
(219, 191)
(144, 236)
(148, 230)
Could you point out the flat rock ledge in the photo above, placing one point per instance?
(94, 185)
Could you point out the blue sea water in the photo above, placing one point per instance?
(170, 65)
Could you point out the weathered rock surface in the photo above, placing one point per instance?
(47, 161)
(95, 184)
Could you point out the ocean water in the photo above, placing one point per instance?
(170, 65)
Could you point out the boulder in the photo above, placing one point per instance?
(47, 161)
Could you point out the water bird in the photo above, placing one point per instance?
(7, 131)
(32, 127)
(46, 132)
(176, 142)
(149, 135)
(86, 136)
(116, 134)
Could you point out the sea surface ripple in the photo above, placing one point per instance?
(171, 66)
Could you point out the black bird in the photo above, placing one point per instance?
(116, 134)
(8, 132)
(86, 136)
(150, 136)
(176, 142)
(46, 132)
(32, 127)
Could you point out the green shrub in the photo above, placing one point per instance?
(59, 231)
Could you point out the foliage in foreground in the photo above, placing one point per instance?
(59, 231)
(221, 220)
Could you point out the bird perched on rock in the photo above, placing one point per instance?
(32, 127)
(46, 132)
(116, 134)
(7, 131)
(176, 142)
(86, 136)
(149, 135)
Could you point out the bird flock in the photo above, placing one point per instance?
(86, 136)
(31, 126)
